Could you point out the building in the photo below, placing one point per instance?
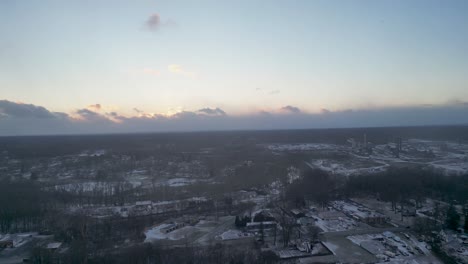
(297, 213)
(53, 246)
(172, 227)
(143, 205)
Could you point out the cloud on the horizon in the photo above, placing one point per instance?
(29, 119)
(87, 114)
(95, 107)
(10, 109)
(212, 111)
(290, 109)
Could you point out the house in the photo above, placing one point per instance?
(172, 227)
(375, 219)
(409, 211)
(263, 216)
(297, 213)
(54, 246)
(143, 205)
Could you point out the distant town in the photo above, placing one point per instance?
(367, 195)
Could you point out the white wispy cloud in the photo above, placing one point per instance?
(179, 69)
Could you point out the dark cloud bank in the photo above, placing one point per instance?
(28, 119)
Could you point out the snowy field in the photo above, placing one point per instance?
(203, 232)
(233, 234)
(157, 233)
(303, 147)
(332, 221)
(354, 209)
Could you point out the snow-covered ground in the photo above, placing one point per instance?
(18, 239)
(398, 248)
(341, 224)
(93, 153)
(234, 234)
(355, 210)
(157, 232)
(90, 186)
(177, 182)
(445, 156)
(332, 221)
(455, 245)
(303, 147)
(203, 232)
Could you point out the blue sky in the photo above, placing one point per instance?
(165, 57)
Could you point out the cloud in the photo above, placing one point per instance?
(212, 111)
(269, 92)
(10, 109)
(290, 109)
(23, 119)
(29, 119)
(178, 69)
(154, 22)
(95, 107)
(87, 115)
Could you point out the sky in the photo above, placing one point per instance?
(140, 66)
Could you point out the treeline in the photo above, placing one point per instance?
(401, 184)
(314, 185)
(396, 185)
(22, 206)
(51, 146)
(149, 254)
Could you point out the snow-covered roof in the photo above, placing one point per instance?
(259, 223)
(54, 245)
